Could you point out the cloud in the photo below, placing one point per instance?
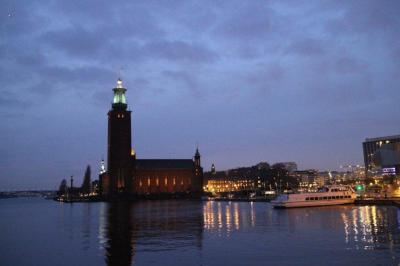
(246, 22)
(266, 65)
(76, 41)
(180, 51)
(307, 47)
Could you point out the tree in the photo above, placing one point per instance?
(62, 188)
(85, 188)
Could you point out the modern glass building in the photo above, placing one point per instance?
(382, 153)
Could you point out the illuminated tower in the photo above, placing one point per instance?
(102, 167)
(213, 169)
(119, 143)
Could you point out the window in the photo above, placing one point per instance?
(166, 181)
(140, 183)
(174, 181)
(341, 197)
(157, 182)
(325, 198)
(307, 198)
(148, 181)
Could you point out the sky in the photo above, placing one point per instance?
(249, 81)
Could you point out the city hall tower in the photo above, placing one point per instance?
(119, 143)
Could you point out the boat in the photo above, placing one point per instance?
(329, 195)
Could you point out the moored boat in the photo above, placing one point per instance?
(330, 195)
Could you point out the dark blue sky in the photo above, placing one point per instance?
(304, 81)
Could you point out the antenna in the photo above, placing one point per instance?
(120, 71)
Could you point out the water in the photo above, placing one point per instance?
(41, 232)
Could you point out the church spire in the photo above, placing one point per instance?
(197, 157)
(119, 99)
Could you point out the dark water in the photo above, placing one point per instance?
(41, 232)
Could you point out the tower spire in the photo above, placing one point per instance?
(119, 100)
(197, 157)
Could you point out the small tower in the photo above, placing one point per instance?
(102, 167)
(197, 158)
(213, 172)
(197, 181)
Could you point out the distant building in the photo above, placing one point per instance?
(213, 171)
(256, 178)
(382, 155)
(127, 175)
(289, 166)
(308, 179)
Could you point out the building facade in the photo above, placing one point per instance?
(127, 175)
(381, 153)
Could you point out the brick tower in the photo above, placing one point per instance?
(119, 143)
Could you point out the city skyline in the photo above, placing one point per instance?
(248, 82)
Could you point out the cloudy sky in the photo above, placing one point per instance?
(250, 81)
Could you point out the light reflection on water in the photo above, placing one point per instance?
(174, 226)
(195, 233)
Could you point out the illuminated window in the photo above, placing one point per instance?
(157, 182)
(148, 181)
(122, 116)
(182, 182)
(174, 181)
(140, 183)
(166, 181)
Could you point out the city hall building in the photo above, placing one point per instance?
(128, 175)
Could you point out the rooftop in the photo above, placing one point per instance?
(383, 138)
(164, 163)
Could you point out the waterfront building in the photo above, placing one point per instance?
(382, 155)
(257, 178)
(221, 184)
(128, 175)
(308, 179)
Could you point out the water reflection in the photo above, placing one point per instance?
(120, 243)
(363, 227)
(371, 227)
(225, 217)
(148, 232)
(196, 233)
(149, 227)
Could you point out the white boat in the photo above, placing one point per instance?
(330, 195)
